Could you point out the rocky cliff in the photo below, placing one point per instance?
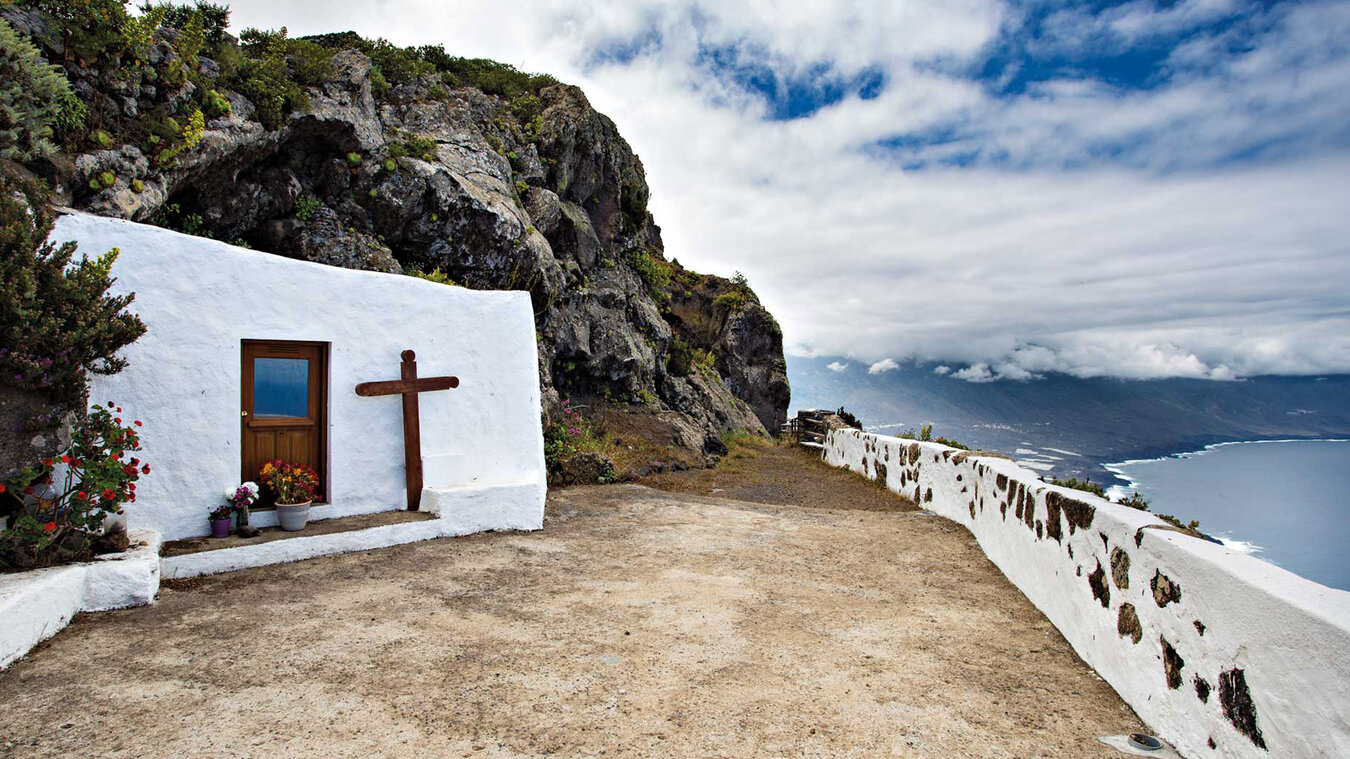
(363, 155)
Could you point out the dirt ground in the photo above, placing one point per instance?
(637, 623)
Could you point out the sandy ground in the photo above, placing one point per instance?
(637, 623)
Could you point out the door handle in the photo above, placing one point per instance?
(243, 413)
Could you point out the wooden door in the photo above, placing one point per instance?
(284, 406)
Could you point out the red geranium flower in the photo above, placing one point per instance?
(107, 494)
(65, 459)
(137, 423)
(145, 469)
(2, 487)
(83, 496)
(118, 419)
(48, 462)
(49, 527)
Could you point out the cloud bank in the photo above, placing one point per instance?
(1145, 190)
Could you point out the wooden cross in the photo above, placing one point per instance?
(409, 387)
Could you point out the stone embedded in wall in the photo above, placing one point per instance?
(928, 496)
(1237, 704)
(1172, 664)
(972, 509)
(1003, 509)
(1127, 623)
(881, 469)
(1040, 530)
(1200, 627)
(1001, 481)
(1165, 591)
(1052, 523)
(915, 451)
(1202, 688)
(1100, 591)
(1076, 513)
(1120, 569)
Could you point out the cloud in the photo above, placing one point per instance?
(971, 182)
(884, 365)
(942, 370)
(836, 366)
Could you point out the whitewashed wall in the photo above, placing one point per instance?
(199, 298)
(1289, 637)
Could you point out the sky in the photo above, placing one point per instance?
(1141, 189)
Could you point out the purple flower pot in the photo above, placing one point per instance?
(220, 528)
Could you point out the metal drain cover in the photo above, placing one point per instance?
(1140, 744)
(1144, 742)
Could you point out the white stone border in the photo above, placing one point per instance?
(1288, 637)
(459, 511)
(36, 605)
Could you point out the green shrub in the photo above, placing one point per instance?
(35, 99)
(353, 159)
(86, 29)
(730, 302)
(435, 275)
(705, 362)
(522, 188)
(305, 206)
(191, 34)
(1086, 485)
(925, 433)
(570, 435)
(489, 76)
(216, 104)
(107, 179)
(273, 69)
(137, 186)
(213, 18)
(410, 145)
(654, 272)
(390, 164)
(194, 130)
(1137, 501)
(138, 32)
(57, 321)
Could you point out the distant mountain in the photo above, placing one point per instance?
(1064, 425)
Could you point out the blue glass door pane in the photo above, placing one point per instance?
(280, 387)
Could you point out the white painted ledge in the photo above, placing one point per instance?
(459, 511)
(36, 605)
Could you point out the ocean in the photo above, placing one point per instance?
(1284, 501)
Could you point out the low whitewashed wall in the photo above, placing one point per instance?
(1221, 653)
(200, 298)
(36, 605)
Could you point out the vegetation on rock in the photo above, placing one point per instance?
(362, 153)
(36, 101)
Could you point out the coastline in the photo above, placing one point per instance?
(1120, 491)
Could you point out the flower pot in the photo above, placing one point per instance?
(293, 516)
(220, 528)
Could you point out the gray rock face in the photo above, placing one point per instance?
(427, 179)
